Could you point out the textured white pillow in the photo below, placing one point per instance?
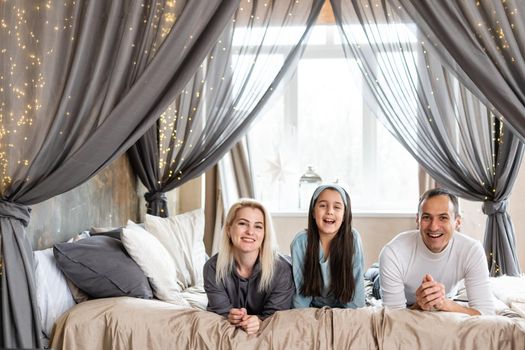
(196, 296)
(509, 289)
(52, 293)
(182, 235)
(519, 308)
(155, 262)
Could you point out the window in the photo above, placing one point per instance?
(320, 120)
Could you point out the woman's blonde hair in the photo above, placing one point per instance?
(267, 253)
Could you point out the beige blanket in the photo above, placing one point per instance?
(130, 323)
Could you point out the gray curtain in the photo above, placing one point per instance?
(213, 208)
(219, 103)
(235, 174)
(456, 137)
(81, 82)
(484, 42)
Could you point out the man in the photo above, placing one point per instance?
(422, 269)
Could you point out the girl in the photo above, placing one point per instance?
(327, 258)
(248, 280)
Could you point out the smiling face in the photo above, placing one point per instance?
(247, 230)
(437, 222)
(328, 213)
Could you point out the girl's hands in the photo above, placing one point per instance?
(250, 324)
(240, 318)
(235, 316)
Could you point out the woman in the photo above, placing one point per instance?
(327, 258)
(248, 280)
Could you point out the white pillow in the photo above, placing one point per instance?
(182, 235)
(52, 293)
(196, 296)
(81, 235)
(155, 262)
(519, 308)
(509, 289)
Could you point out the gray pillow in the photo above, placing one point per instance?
(113, 233)
(101, 267)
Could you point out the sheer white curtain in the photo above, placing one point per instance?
(457, 138)
(80, 82)
(483, 41)
(217, 106)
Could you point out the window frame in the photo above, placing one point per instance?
(332, 49)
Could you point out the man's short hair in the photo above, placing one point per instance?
(439, 192)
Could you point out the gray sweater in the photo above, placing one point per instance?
(239, 292)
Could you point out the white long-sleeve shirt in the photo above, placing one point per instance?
(405, 260)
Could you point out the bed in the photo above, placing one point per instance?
(145, 284)
(132, 323)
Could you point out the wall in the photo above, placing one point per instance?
(375, 231)
(378, 230)
(112, 197)
(107, 200)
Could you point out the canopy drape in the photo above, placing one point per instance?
(484, 42)
(457, 137)
(81, 81)
(216, 107)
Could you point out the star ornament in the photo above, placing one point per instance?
(279, 167)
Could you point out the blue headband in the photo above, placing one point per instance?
(334, 187)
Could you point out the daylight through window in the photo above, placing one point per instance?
(320, 120)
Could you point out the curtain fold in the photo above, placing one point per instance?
(484, 43)
(239, 170)
(216, 107)
(139, 104)
(233, 181)
(212, 210)
(455, 136)
(426, 182)
(17, 261)
(81, 82)
(500, 240)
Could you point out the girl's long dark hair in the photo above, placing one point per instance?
(342, 282)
